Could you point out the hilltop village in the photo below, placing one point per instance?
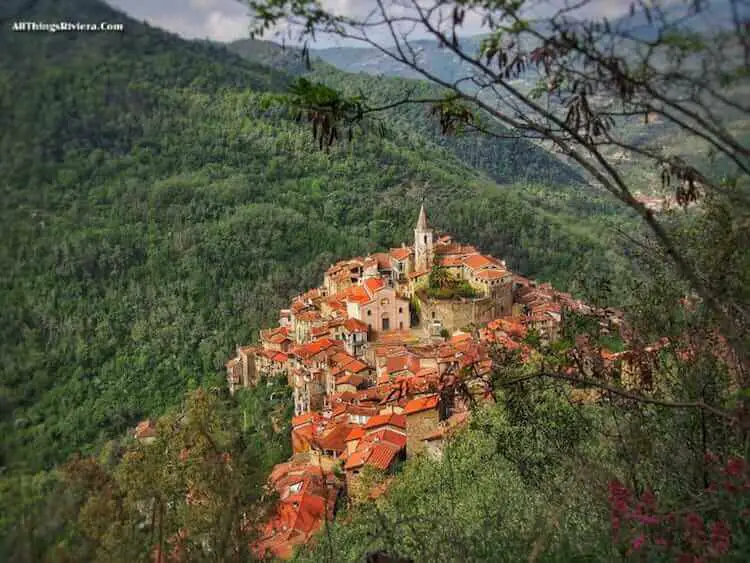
(372, 356)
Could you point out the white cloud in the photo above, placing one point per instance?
(220, 20)
(221, 27)
(226, 20)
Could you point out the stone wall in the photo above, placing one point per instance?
(419, 425)
(458, 314)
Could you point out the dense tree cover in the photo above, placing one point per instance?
(443, 285)
(195, 488)
(132, 267)
(158, 209)
(505, 160)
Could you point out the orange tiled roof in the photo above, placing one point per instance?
(311, 348)
(280, 357)
(373, 285)
(357, 366)
(450, 261)
(308, 316)
(397, 420)
(341, 358)
(383, 260)
(355, 325)
(357, 458)
(421, 404)
(491, 274)
(357, 294)
(305, 418)
(361, 410)
(335, 438)
(386, 435)
(401, 254)
(477, 261)
(355, 433)
(278, 337)
(382, 456)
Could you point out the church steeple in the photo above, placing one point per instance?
(423, 240)
(422, 221)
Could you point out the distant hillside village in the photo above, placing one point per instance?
(371, 356)
(387, 356)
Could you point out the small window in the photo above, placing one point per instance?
(400, 325)
(400, 309)
(433, 314)
(369, 313)
(425, 239)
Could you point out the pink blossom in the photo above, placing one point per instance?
(720, 536)
(638, 541)
(646, 519)
(735, 466)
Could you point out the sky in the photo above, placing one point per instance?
(227, 20)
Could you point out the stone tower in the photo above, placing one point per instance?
(423, 251)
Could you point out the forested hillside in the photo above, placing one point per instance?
(505, 160)
(158, 208)
(155, 215)
(160, 204)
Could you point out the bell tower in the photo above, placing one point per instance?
(423, 240)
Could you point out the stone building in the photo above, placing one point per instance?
(241, 370)
(422, 418)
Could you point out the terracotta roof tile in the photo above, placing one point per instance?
(382, 456)
(358, 295)
(397, 420)
(478, 261)
(354, 325)
(401, 254)
(373, 285)
(421, 404)
(355, 433)
(386, 435)
(357, 458)
(450, 261)
(311, 348)
(305, 418)
(335, 438)
(491, 274)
